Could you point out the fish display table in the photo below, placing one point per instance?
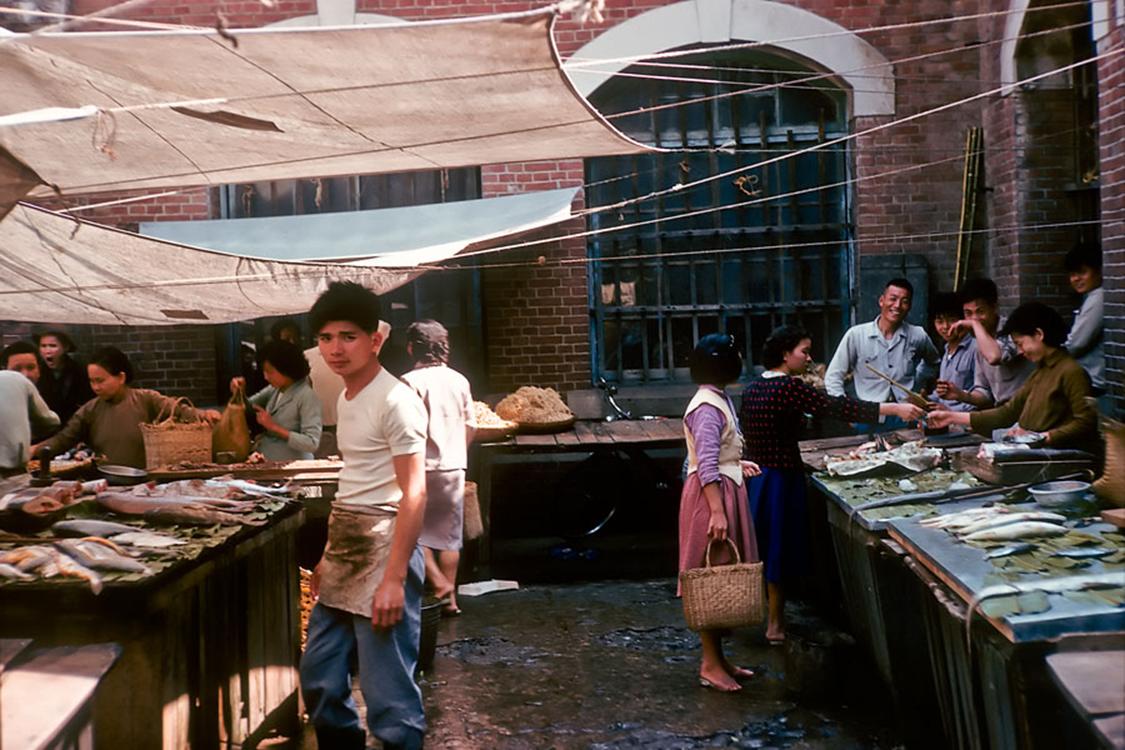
(209, 645)
(993, 686)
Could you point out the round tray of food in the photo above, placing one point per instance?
(490, 427)
(536, 410)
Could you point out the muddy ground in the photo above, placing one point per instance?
(608, 666)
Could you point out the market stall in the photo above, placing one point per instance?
(198, 590)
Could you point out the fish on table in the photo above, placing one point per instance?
(1019, 530)
(68, 567)
(90, 527)
(1004, 519)
(14, 573)
(28, 559)
(187, 513)
(1084, 553)
(1012, 549)
(147, 539)
(101, 554)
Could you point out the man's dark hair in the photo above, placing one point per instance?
(947, 305)
(1082, 256)
(782, 340)
(901, 283)
(114, 361)
(983, 289)
(429, 343)
(715, 360)
(280, 327)
(346, 301)
(20, 347)
(1030, 316)
(286, 357)
(63, 337)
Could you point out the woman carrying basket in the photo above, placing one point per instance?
(713, 504)
(110, 422)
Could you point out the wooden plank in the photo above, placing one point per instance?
(10, 648)
(568, 438)
(1112, 730)
(584, 431)
(625, 432)
(43, 695)
(601, 435)
(1092, 680)
(536, 441)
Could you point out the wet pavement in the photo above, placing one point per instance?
(608, 666)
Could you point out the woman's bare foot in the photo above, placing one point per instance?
(718, 679)
(738, 673)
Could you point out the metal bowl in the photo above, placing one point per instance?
(122, 475)
(1054, 494)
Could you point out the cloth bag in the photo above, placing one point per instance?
(722, 596)
(232, 433)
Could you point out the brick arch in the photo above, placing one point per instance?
(859, 65)
(1013, 29)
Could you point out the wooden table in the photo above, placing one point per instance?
(1094, 684)
(47, 694)
(630, 437)
(209, 647)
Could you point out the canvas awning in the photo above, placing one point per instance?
(296, 103)
(55, 269)
(388, 237)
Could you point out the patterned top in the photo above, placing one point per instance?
(771, 417)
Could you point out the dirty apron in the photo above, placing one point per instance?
(359, 544)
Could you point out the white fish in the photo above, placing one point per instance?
(250, 488)
(101, 554)
(1047, 586)
(1006, 518)
(11, 571)
(147, 539)
(961, 518)
(1020, 530)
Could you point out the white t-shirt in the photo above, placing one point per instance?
(449, 402)
(385, 419)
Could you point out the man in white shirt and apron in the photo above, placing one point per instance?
(369, 582)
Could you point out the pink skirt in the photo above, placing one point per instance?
(695, 517)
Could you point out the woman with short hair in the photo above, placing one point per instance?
(713, 503)
(772, 414)
(110, 423)
(287, 409)
(1052, 403)
(65, 386)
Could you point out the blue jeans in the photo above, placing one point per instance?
(386, 660)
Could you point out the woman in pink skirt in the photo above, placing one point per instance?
(713, 504)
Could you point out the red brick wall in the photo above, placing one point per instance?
(1111, 103)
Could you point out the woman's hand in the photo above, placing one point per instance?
(750, 469)
(717, 527)
(237, 384)
(907, 412)
(940, 418)
(264, 419)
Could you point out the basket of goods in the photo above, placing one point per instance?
(489, 425)
(168, 442)
(536, 410)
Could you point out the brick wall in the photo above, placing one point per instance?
(1111, 104)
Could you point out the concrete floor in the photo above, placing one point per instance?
(608, 666)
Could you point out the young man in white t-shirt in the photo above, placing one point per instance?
(369, 581)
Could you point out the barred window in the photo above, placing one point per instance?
(657, 288)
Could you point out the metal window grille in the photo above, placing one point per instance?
(656, 289)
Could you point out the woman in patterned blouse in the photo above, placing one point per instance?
(771, 417)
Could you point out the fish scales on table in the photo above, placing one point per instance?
(188, 513)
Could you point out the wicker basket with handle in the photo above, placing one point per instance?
(168, 442)
(722, 596)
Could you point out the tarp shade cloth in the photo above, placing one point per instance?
(371, 99)
(58, 270)
(387, 237)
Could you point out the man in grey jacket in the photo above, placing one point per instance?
(20, 407)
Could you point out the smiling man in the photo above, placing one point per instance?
(890, 345)
(368, 584)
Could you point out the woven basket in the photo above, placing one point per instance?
(724, 596)
(168, 442)
(1111, 486)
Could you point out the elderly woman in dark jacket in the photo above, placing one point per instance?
(65, 386)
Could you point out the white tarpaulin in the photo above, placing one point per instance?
(55, 269)
(387, 237)
(298, 103)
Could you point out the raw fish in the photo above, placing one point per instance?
(153, 510)
(1020, 530)
(11, 571)
(1046, 585)
(250, 488)
(1007, 518)
(90, 528)
(72, 569)
(101, 554)
(147, 539)
(1082, 554)
(28, 559)
(1014, 549)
